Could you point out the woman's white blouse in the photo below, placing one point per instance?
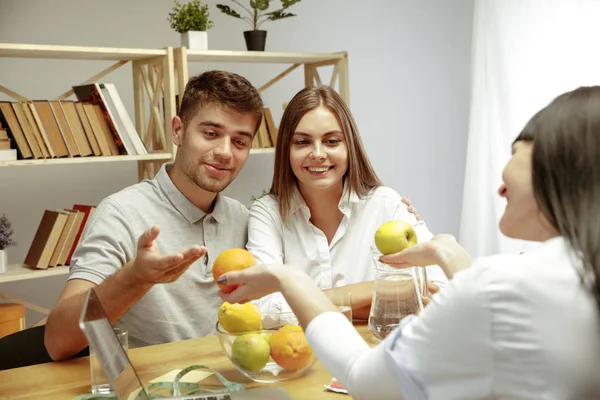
(509, 327)
(347, 259)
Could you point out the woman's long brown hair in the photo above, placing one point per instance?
(360, 176)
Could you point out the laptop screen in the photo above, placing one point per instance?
(114, 360)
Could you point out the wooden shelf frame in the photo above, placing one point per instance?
(153, 156)
(311, 62)
(20, 272)
(156, 74)
(151, 69)
(59, 52)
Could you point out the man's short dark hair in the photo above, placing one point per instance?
(224, 88)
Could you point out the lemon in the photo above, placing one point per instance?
(395, 236)
(236, 318)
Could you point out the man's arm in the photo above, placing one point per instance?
(63, 337)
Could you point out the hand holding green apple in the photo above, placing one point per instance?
(395, 236)
(442, 250)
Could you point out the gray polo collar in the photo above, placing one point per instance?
(192, 213)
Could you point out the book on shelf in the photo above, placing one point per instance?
(5, 142)
(266, 137)
(121, 127)
(96, 124)
(271, 128)
(57, 236)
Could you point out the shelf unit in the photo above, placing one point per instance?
(149, 66)
(19, 272)
(156, 72)
(151, 70)
(309, 61)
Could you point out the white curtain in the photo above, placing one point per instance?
(525, 53)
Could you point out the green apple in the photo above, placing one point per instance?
(251, 351)
(395, 236)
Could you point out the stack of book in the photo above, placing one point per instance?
(267, 133)
(57, 236)
(96, 125)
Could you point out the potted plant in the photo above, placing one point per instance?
(6, 232)
(192, 21)
(257, 15)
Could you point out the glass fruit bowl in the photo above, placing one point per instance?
(276, 353)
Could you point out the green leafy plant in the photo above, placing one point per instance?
(6, 232)
(257, 12)
(191, 16)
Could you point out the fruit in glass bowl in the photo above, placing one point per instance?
(277, 352)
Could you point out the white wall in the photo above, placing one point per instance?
(409, 88)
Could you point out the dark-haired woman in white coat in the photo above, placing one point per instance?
(507, 326)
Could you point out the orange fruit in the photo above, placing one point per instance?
(235, 259)
(289, 347)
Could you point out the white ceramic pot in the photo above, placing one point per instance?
(195, 40)
(3, 261)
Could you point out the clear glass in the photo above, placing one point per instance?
(343, 301)
(99, 381)
(422, 279)
(395, 296)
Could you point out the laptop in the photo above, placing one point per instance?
(122, 375)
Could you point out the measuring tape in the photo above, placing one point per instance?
(175, 387)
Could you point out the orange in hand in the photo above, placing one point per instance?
(235, 259)
(289, 347)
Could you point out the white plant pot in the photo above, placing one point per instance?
(3, 261)
(195, 40)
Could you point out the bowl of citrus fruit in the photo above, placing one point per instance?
(264, 347)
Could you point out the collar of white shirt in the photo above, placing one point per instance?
(349, 196)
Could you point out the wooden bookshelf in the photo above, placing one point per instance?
(152, 78)
(91, 159)
(20, 272)
(266, 150)
(311, 62)
(156, 72)
(264, 57)
(11, 50)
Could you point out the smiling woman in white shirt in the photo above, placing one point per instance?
(506, 326)
(325, 202)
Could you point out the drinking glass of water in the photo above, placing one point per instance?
(98, 379)
(343, 301)
(395, 296)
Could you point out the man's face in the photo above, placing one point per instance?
(214, 145)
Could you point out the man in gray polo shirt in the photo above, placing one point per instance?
(149, 248)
